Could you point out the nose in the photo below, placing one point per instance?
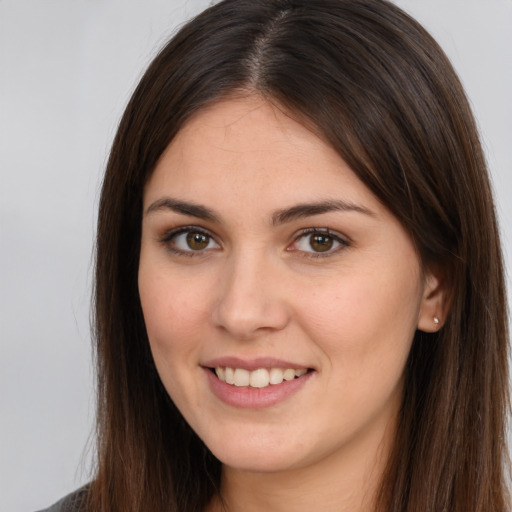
(251, 299)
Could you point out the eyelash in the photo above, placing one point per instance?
(169, 237)
(343, 242)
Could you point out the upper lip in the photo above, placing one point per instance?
(252, 364)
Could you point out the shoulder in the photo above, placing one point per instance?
(70, 503)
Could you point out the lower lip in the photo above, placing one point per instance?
(255, 398)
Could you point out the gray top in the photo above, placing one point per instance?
(70, 503)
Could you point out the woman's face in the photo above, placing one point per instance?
(264, 256)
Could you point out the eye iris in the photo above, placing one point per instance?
(321, 243)
(197, 241)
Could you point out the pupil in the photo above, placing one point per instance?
(197, 241)
(321, 243)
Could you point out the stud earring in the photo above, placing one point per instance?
(436, 320)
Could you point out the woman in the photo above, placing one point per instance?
(299, 288)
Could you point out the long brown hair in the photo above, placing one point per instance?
(375, 85)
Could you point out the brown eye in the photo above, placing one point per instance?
(321, 243)
(189, 241)
(197, 241)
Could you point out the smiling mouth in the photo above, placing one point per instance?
(260, 378)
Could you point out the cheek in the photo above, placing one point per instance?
(366, 340)
(173, 312)
(174, 318)
(364, 324)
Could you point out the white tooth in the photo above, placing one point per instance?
(276, 376)
(300, 373)
(220, 373)
(241, 377)
(289, 374)
(229, 375)
(259, 378)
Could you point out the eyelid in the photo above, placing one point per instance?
(343, 240)
(171, 234)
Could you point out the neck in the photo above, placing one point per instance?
(346, 481)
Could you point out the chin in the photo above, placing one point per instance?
(255, 461)
(258, 453)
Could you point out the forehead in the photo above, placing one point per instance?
(249, 126)
(242, 145)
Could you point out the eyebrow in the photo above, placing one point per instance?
(183, 207)
(279, 217)
(309, 209)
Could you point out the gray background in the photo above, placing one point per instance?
(67, 68)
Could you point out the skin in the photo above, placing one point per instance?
(259, 289)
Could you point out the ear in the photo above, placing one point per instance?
(435, 302)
